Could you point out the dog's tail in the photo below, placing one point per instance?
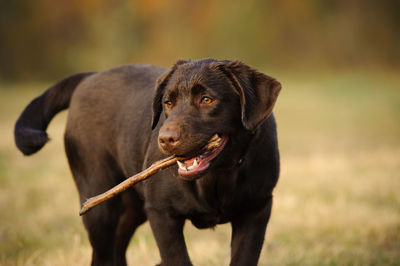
(30, 129)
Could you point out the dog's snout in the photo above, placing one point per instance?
(169, 139)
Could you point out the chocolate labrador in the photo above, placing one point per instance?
(118, 124)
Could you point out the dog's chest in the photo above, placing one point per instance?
(207, 220)
(212, 203)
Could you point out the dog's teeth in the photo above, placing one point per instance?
(189, 168)
(181, 166)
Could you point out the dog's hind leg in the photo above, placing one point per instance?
(110, 225)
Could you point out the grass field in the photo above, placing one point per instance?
(337, 202)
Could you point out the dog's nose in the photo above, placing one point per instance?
(169, 139)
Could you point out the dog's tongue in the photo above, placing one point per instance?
(190, 162)
(198, 164)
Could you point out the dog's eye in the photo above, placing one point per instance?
(168, 104)
(206, 100)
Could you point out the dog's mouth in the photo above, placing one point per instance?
(193, 166)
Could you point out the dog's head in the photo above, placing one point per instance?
(209, 100)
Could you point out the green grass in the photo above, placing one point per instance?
(337, 202)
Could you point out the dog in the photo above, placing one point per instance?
(122, 120)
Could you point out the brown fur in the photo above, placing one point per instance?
(109, 137)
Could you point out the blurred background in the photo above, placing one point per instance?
(42, 39)
(338, 200)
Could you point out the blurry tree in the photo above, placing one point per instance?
(50, 39)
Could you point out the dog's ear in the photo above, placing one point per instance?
(258, 92)
(159, 92)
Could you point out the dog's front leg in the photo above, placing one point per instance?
(248, 232)
(168, 232)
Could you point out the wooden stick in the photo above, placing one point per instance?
(154, 168)
(213, 143)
